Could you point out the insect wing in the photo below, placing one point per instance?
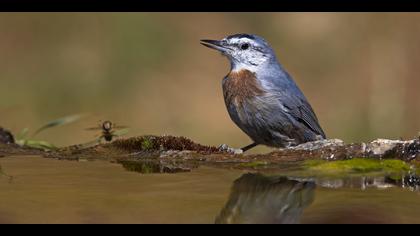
(120, 132)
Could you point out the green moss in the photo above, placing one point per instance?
(147, 144)
(313, 163)
(358, 165)
(416, 166)
(253, 164)
(157, 143)
(395, 166)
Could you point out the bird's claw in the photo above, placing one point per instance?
(226, 148)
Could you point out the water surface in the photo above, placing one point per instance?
(55, 191)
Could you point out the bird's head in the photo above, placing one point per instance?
(245, 51)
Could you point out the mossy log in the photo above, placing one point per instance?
(171, 147)
(176, 151)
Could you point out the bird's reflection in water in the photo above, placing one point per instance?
(259, 199)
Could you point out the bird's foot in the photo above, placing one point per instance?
(226, 148)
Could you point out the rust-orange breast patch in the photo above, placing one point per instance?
(241, 86)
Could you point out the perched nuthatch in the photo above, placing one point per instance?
(261, 97)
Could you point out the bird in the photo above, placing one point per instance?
(261, 97)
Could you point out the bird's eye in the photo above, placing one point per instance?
(245, 46)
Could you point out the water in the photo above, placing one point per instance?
(44, 190)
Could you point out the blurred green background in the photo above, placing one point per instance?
(149, 72)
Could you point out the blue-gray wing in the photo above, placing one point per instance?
(292, 98)
(302, 111)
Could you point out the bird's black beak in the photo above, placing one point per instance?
(214, 44)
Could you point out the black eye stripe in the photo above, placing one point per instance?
(245, 46)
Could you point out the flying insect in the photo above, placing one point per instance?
(109, 130)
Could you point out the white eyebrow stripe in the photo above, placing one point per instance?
(240, 40)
